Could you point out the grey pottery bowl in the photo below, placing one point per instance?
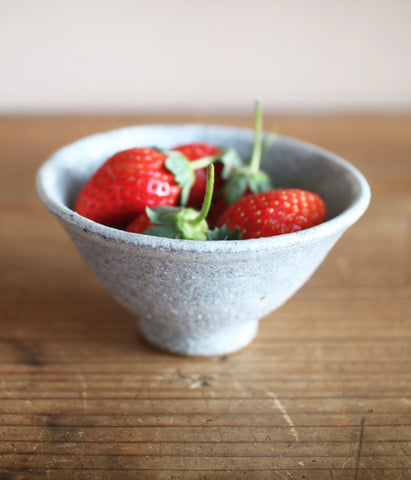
(203, 297)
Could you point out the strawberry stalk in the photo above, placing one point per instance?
(202, 215)
(204, 162)
(257, 147)
(248, 177)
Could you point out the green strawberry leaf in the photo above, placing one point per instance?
(242, 179)
(231, 160)
(223, 233)
(176, 222)
(236, 185)
(169, 231)
(162, 215)
(258, 182)
(164, 222)
(184, 175)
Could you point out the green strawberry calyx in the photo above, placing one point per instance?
(176, 222)
(241, 177)
(187, 223)
(224, 233)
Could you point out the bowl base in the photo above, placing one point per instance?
(218, 342)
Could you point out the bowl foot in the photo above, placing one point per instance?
(216, 342)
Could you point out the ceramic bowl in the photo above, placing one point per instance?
(203, 297)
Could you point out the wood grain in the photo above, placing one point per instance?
(324, 392)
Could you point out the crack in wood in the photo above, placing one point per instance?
(359, 451)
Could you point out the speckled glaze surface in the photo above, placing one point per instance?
(197, 297)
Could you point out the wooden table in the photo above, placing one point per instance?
(322, 393)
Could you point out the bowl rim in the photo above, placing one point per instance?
(331, 227)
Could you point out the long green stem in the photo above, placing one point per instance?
(207, 197)
(257, 149)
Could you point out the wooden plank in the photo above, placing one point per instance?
(272, 474)
(214, 463)
(332, 448)
(207, 405)
(269, 419)
(219, 434)
(52, 352)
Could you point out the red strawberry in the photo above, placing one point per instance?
(140, 223)
(218, 207)
(125, 184)
(196, 151)
(274, 212)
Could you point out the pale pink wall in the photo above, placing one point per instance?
(161, 55)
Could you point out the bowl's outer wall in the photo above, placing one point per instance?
(190, 288)
(204, 291)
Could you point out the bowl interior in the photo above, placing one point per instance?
(289, 162)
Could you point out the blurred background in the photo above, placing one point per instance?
(185, 56)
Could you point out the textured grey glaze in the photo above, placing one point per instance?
(197, 297)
